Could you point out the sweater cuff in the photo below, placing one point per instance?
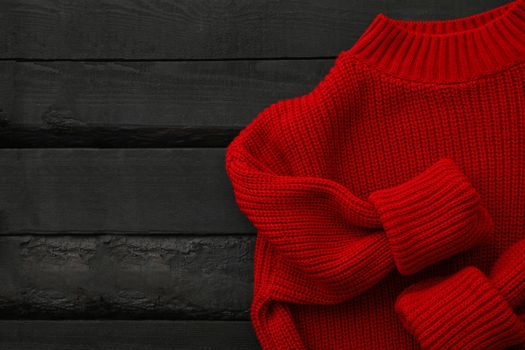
(432, 216)
(464, 311)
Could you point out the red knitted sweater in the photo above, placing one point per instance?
(389, 201)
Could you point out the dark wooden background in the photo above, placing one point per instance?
(118, 225)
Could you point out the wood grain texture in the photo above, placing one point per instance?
(118, 191)
(201, 29)
(128, 335)
(143, 104)
(133, 277)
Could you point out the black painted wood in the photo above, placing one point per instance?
(128, 335)
(126, 277)
(148, 229)
(201, 29)
(147, 104)
(118, 191)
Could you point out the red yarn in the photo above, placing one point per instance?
(406, 162)
(469, 310)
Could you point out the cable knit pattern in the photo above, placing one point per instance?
(404, 163)
(469, 310)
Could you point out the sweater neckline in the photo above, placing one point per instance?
(445, 50)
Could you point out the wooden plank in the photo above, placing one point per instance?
(122, 191)
(126, 277)
(196, 29)
(143, 104)
(129, 335)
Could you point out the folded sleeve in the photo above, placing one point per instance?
(469, 310)
(308, 221)
(333, 244)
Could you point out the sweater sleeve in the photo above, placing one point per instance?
(469, 310)
(333, 245)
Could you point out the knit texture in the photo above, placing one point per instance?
(469, 310)
(405, 163)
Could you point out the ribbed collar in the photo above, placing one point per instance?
(448, 50)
